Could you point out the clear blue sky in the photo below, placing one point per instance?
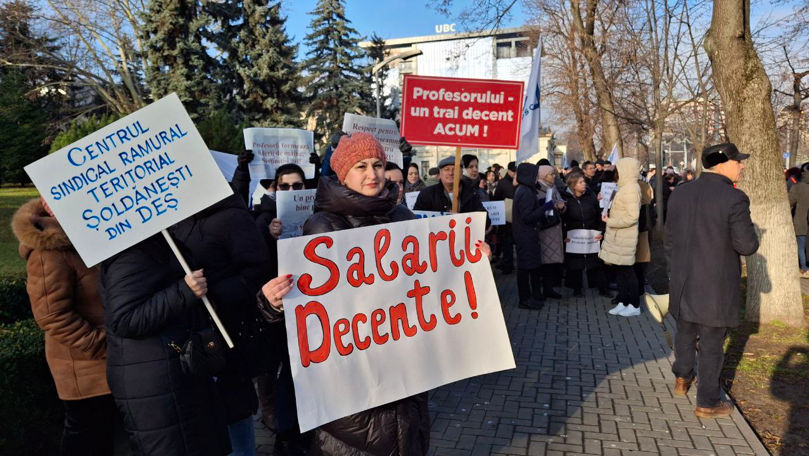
(388, 18)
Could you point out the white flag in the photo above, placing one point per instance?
(529, 129)
(614, 155)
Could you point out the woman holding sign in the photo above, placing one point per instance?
(360, 196)
(582, 212)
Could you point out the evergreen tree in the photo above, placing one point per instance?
(22, 127)
(335, 78)
(266, 66)
(80, 128)
(172, 34)
(389, 103)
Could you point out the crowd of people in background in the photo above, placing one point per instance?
(130, 338)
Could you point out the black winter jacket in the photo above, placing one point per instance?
(529, 218)
(707, 229)
(433, 198)
(223, 241)
(400, 428)
(148, 306)
(581, 213)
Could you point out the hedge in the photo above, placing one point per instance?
(14, 303)
(29, 407)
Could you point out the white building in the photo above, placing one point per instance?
(504, 54)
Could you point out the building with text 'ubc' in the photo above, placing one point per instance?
(504, 54)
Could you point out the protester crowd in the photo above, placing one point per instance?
(130, 338)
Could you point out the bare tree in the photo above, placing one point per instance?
(97, 47)
(584, 23)
(773, 290)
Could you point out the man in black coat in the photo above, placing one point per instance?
(707, 229)
(438, 197)
(503, 191)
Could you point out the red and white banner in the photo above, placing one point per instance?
(462, 112)
(384, 312)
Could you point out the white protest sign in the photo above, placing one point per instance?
(227, 163)
(274, 147)
(497, 211)
(294, 207)
(607, 190)
(384, 130)
(384, 312)
(129, 180)
(582, 241)
(429, 214)
(410, 199)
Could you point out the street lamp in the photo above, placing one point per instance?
(375, 71)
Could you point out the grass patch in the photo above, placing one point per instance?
(10, 200)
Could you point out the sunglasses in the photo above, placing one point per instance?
(295, 186)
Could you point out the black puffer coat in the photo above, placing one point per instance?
(401, 428)
(432, 198)
(582, 213)
(147, 306)
(223, 241)
(529, 218)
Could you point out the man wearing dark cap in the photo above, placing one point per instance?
(707, 229)
(438, 197)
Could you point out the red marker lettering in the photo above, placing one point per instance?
(305, 281)
(301, 314)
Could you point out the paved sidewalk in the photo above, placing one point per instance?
(586, 383)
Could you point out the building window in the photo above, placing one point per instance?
(509, 48)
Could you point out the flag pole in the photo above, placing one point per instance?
(456, 180)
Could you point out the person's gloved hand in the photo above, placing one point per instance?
(547, 206)
(405, 147)
(314, 159)
(244, 159)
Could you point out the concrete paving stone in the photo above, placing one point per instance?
(536, 448)
(696, 452)
(726, 441)
(701, 442)
(724, 450)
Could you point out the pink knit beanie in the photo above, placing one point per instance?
(353, 148)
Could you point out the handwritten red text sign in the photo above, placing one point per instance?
(384, 312)
(462, 112)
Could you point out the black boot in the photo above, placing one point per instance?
(531, 304)
(551, 294)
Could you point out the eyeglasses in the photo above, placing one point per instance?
(295, 186)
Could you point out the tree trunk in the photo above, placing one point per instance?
(773, 289)
(585, 28)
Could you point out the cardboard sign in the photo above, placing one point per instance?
(582, 241)
(384, 312)
(294, 207)
(410, 199)
(384, 130)
(607, 190)
(497, 211)
(274, 147)
(462, 112)
(129, 180)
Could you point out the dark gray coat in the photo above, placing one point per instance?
(529, 218)
(707, 228)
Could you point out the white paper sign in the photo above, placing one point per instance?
(582, 241)
(410, 199)
(129, 180)
(294, 207)
(429, 214)
(274, 147)
(380, 313)
(497, 211)
(384, 130)
(227, 163)
(607, 190)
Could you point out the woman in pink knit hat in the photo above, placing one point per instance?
(360, 196)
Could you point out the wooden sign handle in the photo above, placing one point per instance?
(456, 183)
(205, 299)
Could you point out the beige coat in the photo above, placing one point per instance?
(643, 253)
(65, 302)
(621, 237)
